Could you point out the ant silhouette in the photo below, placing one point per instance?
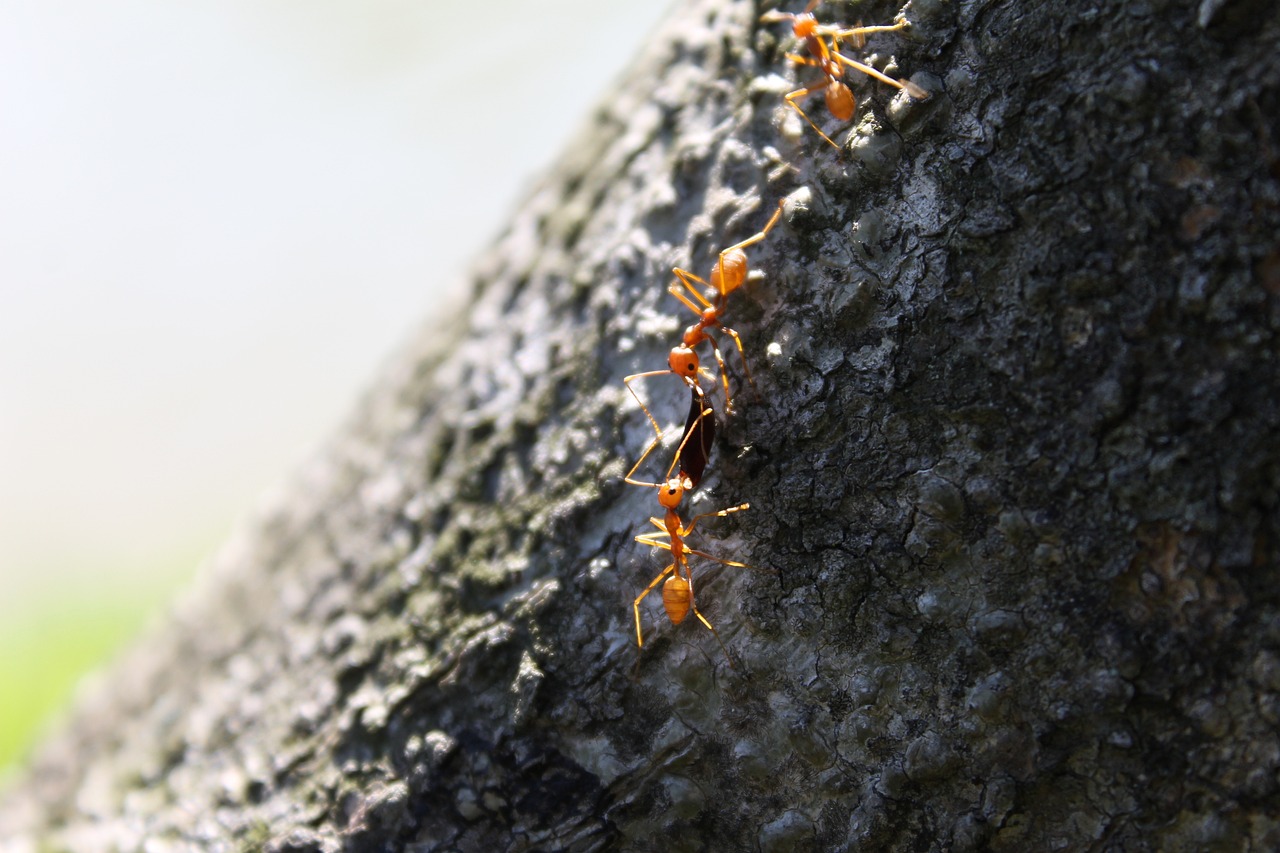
(828, 59)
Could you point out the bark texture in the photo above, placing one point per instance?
(1013, 477)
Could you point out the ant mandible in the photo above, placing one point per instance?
(727, 276)
(827, 58)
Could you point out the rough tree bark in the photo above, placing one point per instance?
(1014, 470)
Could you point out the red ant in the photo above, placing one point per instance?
(729, 273)
(727, 276)
(677, 591)
(828, 59)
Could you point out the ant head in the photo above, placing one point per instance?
(734, 266)
(804, 25)
(683, 361)
(672, 492)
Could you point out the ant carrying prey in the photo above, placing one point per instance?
(677, 578)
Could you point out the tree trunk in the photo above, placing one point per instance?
(1012, 474)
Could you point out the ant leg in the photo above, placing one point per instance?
(675, 291)
(657, 439)
(773, 16)
(689, 432)
(696, 441)
(687, 278)
(720, 513)
(801, 59)
(745, 370)
(656, 430)
(686, 551)
(675, 460)
(738, 247)
(791, 97)
(733, 563)
(652, 539)
(710, 627)
(754, 238)
(626, 380)
(635, 605)
(724, 376)
(859, 31)
(699, 436)
(703, 620)
(627, 479)
(907, 86)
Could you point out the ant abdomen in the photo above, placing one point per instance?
(840, 100)
(676, 598)
(729, 274)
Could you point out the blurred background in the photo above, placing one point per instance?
(216, 219)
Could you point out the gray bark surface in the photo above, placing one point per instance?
(1013, 484)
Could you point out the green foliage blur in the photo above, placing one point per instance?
(60, 637)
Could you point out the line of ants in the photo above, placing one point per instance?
(823, 44)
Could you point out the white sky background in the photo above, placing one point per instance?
(218, 217)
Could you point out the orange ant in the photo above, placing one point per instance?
(727, 276)
(677, 591)
(828, 59)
